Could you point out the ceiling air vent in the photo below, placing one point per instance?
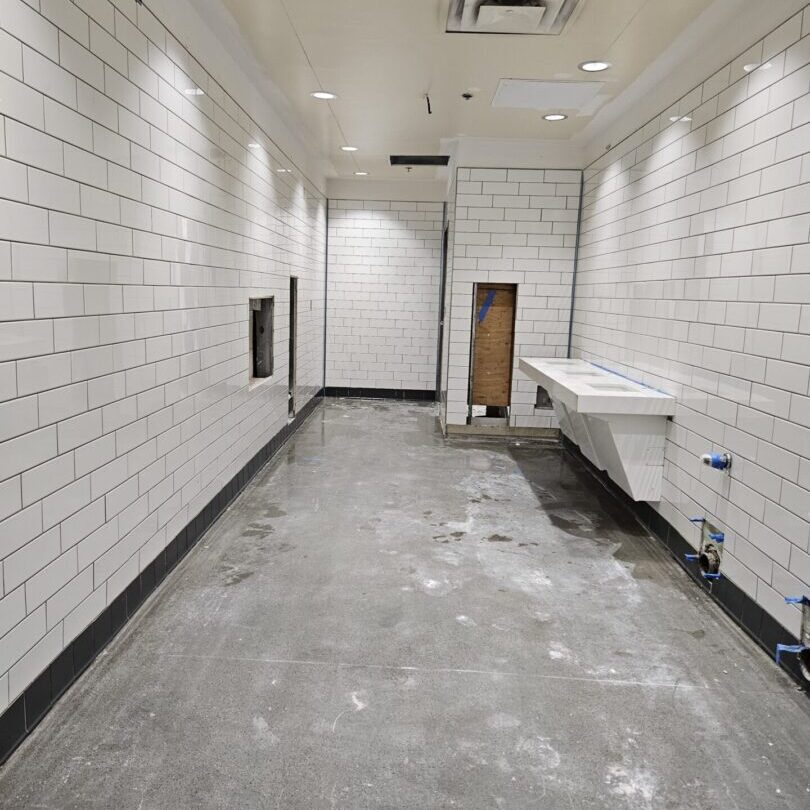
(509, 16)
(420, 160)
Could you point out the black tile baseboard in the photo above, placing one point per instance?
(28, 709)
(755, 621)
(382, 393)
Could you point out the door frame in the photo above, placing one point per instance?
(442, 301)
(293, 340)
(473, 329)
(471, 367)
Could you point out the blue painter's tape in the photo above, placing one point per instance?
(788, 648)
(632, 379)
(486, 305)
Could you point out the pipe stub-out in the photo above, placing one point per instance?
(804, 663)
(709, 560)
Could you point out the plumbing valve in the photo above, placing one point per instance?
(717, 461)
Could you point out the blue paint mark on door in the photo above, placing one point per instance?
(486, 305)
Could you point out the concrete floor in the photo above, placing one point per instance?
(388, 620)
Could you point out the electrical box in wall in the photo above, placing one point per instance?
(261, 337)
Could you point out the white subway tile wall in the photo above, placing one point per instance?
(136, 225)
(513, 226)
(383, 294)
(694, 277)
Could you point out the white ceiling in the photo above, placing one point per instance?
(382, 56)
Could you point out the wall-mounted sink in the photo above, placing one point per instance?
(618, 424)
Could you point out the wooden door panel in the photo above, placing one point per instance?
(492, 346)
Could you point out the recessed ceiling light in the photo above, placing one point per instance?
(194, 91)
(594, 66)
(555, 117)
(679, 118)
(323, 95)
(349, 148)
(361, 174)
(754, 65)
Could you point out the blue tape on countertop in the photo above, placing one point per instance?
(486, 305)
(632, 379)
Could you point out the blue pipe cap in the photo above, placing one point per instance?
(717, 461)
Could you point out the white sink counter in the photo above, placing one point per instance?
(587, 388)
(618, 424)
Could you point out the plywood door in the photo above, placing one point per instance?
(494, 331)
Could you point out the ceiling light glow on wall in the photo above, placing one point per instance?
(254, 145)
(679, 118)
(756, 65)
(323, 95)
(194, 91)
(284, 171)
(349, 148)
(594, 66)
(555, 117)
(361, 174)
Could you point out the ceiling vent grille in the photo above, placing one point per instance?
(419, 160)
(509, 16)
